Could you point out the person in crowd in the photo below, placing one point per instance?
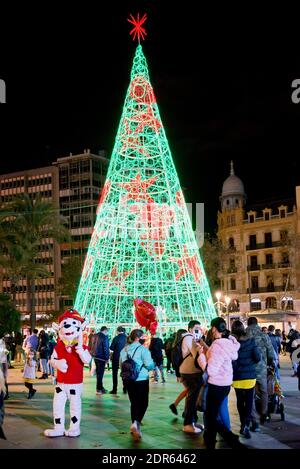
(138, 390)
(191, 375)
(51, 345)
(217, 361)
(10, 346)
(43, 351)
(264, 344)
(295, 344)
(32, 340)
(182, 395)
(29, 371)
(2, 395)
(100, 354)
(19, 350)
(292, 335)
(156, 349)
(90, 342)
(264, 329)
(4, 364)
(244, 375)
(118, 343)
(276, 343)
(223, 415)
(168, 351)
(283, 342)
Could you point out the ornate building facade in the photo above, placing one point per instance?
(260, 253)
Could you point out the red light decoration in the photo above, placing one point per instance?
(138, 31)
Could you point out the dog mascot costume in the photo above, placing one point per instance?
(68, 358)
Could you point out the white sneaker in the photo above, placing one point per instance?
(135, 432)
(199, 425)
(191, 429)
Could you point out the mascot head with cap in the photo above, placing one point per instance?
(70, 327)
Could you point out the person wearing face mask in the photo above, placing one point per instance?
(217, 361)
(138, 390)
(191, 376)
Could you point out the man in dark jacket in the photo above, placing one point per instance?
(156, 349)
(276, 343)
(100, 353)
(267, 358)
(168, 350)
(117, 345)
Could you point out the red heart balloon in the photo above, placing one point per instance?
(144, 313)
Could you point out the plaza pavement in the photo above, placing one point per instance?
(105, 418)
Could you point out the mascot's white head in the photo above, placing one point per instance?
(70, 326)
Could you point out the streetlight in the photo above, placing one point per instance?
(224, 304)
(218, 296)
(227, 301)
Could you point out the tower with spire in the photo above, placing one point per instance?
(233, 193)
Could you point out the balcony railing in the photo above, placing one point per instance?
(282, 265)
(232, 270)
(270, 289)
(273, 244)
(253, 267)
(268, 266)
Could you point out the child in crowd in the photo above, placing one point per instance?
(29, 371)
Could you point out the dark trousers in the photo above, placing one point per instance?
(100, 367)
(29, 386)
(214, 399)
(115, 369)
(193, 383)
(169, 362)
(138, 392)
(261, 391)
(244, 402)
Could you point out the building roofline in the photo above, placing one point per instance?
(26, 172)
(80, 156)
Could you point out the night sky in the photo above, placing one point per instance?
(221, 96)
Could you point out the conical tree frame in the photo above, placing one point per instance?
(143, 244)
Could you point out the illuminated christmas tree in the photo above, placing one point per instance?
(143, 244)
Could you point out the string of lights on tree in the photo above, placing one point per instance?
(142, 244)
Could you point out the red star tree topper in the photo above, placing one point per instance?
(138, 31)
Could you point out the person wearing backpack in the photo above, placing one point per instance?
(191, 374)
(175, 360)
(135, 363)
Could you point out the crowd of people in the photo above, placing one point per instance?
(207, 363)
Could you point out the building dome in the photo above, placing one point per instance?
(233, 184)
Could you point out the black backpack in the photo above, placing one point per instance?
(129, 369)
(177, 358)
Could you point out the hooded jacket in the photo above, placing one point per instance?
(248, 355)
(218, 360)
(266, 348)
